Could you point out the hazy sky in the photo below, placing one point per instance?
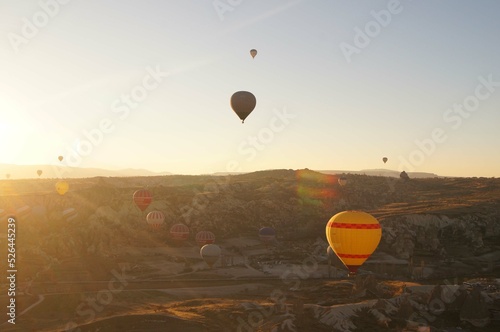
(339, 84)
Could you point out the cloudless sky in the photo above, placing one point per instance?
(342, 111)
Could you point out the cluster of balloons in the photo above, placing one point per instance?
(243, 102)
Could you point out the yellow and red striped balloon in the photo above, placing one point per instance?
(353, 236)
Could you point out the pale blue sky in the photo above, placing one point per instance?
(65, 78)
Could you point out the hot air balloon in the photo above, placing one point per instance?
(7, 176)
(210, 253)
(69, 214)
(23, 211)
(404, 176)
(142, 198)
(155, 219)
(354, 236)
(179, 232)
(39, 172)
(253, 53)
(342, 181)
(384, 159)
(267, 235)
(243, 103)
(62, 187)
(205, 237)
(60, 158)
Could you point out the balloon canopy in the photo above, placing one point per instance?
(179, 232)
(243, 103)
(353, 236)
(253, 53)
(267, 234)
(342, 181)
(210, 253)
(155, 219)
(69, 214)
(384, 159)
(205, 237)
(62, 187)
(142, 198)
(60, 158)
(39, 172)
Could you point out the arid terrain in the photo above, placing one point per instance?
(88, 261)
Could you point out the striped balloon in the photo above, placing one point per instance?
(205, 237)
(179, 232)
(70, 214)
(155, 219)
(354, 236)
(142, 198)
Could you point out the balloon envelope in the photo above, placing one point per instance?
(243, 103)
(267, 234)
(210, 253)
(384, 159)
(39, 172)
(142, 198)
(60, 158)
(205, 237)
(354, 236)
(253, 53)
(69, 214)
(342, 180)
(179, 232)
(62, 187)
(155, 219)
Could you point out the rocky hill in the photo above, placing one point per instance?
(455, 221)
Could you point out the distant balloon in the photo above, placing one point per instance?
(267, 234)
(7, 176)
(354, 236)
(342, 181)
(210, 253)
(179, 232)
(155, 219)
(39, 172)
(62, 187)
(384, 159)
(403, 175)
(60, 158)
(142, 198)
(23, 211)
(243, 103)
(205, 237)
(253, 53)
(69, 214)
